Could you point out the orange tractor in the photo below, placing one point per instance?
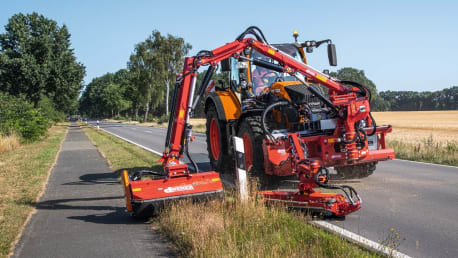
(275, 102)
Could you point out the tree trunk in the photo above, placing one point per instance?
(146, 111)
(167, 98)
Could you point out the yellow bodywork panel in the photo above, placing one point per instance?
(231, 104)
(278, 88)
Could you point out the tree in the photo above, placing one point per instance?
(171, 55)
(36, 60)
(106, 96)
(141, 67)
(154, 65)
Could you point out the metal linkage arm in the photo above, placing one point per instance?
(185, 94)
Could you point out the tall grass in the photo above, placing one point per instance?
(427, 150)
(22, 176)
(232, 229)
(9, 142)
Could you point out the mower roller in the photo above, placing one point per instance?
(289, 127)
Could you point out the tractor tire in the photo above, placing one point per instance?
(217, 146)
(251, 132)
(356, 171)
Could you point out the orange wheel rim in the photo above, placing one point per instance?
(214, 139)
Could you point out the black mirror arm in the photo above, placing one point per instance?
(319, 43)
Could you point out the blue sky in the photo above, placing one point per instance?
(408, 45)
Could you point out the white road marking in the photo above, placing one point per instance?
(433, 164)
(362, 241)
(134, 143)
(348, 235)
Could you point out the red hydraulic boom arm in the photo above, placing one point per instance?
(349, 104)
(188, 80)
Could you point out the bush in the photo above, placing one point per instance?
(150, 118)
(49, 111)
(18, 116)
(119, 117)
(33, 125)
(163, 119)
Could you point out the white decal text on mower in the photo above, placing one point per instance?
(178, 188)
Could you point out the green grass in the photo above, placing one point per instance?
(121, 154)
(428, 150)
(228, 228)
(23, 172)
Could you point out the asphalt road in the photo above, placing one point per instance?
(417, 202)
(81, 213)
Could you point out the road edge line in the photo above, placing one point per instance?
(129, 141)
(348, 235)
(433, 164)
(357, 239)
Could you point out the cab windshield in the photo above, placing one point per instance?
(263, 78)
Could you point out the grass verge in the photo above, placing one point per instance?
(9, 142)
(228, 228)
(119, 153)
(23, 172)
(428, 150)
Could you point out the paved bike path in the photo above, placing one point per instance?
(81, 213)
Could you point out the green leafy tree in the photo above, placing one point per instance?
(36, 60)
(106, 96)
(171, 56)
(154, 65)
(141, 67)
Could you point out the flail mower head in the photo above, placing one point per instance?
(146, 197)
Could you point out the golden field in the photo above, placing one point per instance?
(414, 126)
(428, 136)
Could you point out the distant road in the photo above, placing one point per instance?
(417, 201)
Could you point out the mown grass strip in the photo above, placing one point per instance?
(23, 172)
(228, 228)
(121, 154)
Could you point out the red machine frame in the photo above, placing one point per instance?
(184, 184)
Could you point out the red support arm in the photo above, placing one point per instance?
(233, 49)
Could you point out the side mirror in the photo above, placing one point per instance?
(226, 65)
(332, 55)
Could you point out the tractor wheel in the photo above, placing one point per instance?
(251, 132)
(216, 142)
(356, 171)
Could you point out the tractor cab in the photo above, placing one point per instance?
(262, 78)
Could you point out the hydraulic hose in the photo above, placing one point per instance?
(374, 125)
(339, 187)
(186, 150)
(264, 114)
(252, 30)
(365, 91)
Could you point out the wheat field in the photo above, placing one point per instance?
(415, 126)
(428, 136)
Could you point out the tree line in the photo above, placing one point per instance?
(445, 99)
(142, 89)
(40, 78)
